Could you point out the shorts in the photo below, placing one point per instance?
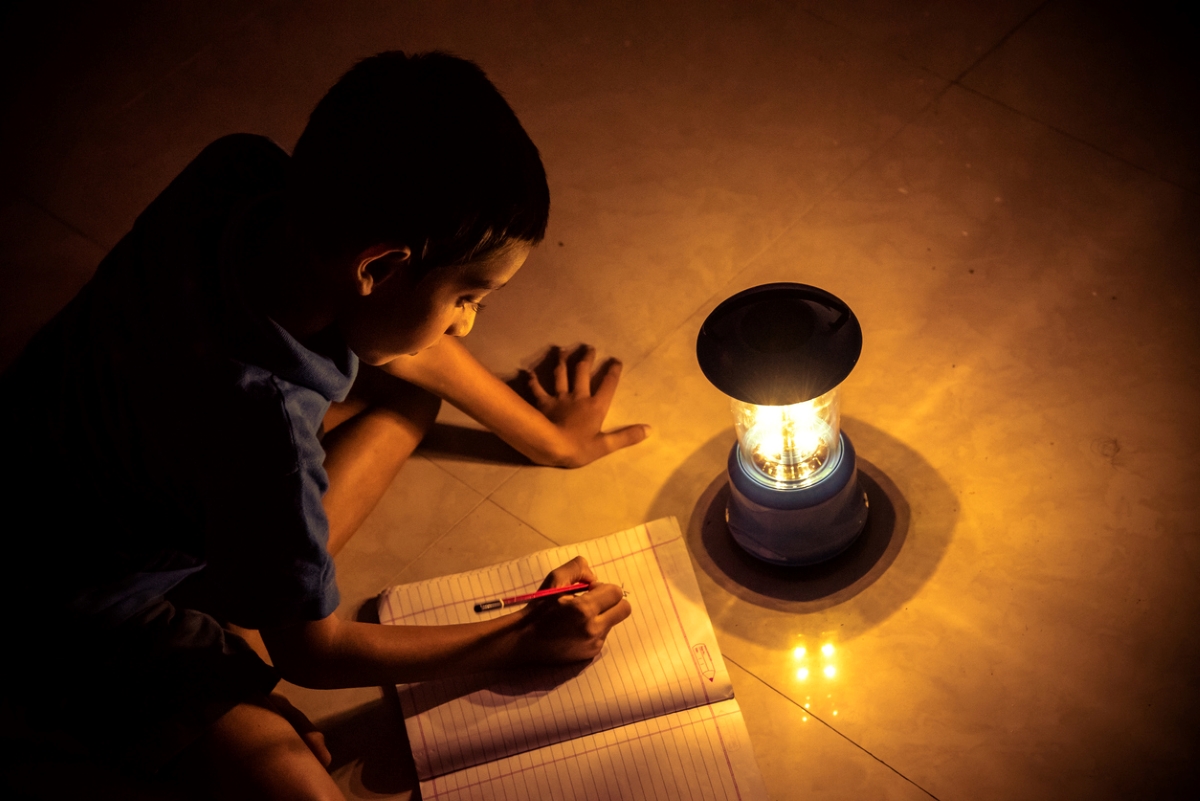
(138, 694)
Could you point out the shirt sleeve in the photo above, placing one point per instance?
(266, 529)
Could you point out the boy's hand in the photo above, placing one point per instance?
(572, 628)
(579, 415)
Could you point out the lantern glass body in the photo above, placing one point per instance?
(789, 447)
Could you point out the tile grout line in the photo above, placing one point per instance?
(485, 499)
(1078, 140)
(482, 500)
(958, 81)
(23, 197)
(1002, 40)
(830, 727)
(182, 65)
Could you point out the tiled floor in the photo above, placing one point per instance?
(1006, 195)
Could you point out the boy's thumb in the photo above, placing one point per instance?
(624, 437)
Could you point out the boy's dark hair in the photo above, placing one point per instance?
(421, 151)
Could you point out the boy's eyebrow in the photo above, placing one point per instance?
(491, 286)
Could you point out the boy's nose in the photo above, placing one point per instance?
(462, 326)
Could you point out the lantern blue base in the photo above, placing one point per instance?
(797, 526)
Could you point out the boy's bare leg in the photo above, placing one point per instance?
(368, 438)
(254, 752)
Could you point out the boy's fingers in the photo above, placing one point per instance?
(561, 384)
(608, 384)
(624, 437)
(572, 572)
(316, 743)
(615, 614)
(583, 373)
(535, 386)
(600, 598)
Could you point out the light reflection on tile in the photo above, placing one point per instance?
(801, 757)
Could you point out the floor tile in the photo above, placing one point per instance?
(44, 264)
(77, 116)
(469, 452)
(801, 757)
(422, 505)
(943, 36)
(1124, 78)
(486, 536)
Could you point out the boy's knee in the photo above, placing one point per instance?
(254, 752)
(418, 407)
(426, 406)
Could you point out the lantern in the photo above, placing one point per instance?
(780, 351)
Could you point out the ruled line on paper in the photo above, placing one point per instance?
(672, 738)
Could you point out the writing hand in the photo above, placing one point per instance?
(578, 414)
(572, 628)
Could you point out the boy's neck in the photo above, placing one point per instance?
(282, 279)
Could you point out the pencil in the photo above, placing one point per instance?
(554, 592)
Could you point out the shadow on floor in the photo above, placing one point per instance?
(826, 584)
(370, 743)
(464, 444)
(913, 515)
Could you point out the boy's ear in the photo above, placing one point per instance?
(379, 263)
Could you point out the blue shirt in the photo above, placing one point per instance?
(167, 428)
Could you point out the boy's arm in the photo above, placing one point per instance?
(333, 653)
(564, 430)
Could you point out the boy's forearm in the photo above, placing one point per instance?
(331, 653)
(449, 371)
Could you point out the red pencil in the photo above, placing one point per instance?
(488, 606)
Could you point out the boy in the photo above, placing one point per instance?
(195, 437)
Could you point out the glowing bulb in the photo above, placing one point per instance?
(830, 670)
(805, 718)
(806, 706)
(827, 649)
(788, 444)
(802, 673)
(835, 711)
(799, 652)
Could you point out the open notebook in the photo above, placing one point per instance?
(653, 716)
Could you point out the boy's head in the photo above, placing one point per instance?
(417, 159)
(422, 152)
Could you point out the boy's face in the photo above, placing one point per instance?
(399, 316)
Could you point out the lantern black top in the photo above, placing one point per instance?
(779, 344)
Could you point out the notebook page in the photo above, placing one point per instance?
(702, 753)
(662, 659)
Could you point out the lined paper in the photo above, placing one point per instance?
(661, 661)
(700, 753)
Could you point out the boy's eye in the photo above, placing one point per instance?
(473, 305)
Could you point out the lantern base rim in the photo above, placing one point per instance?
(796, 527)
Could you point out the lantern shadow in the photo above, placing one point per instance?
(912, 518)
(827, 583)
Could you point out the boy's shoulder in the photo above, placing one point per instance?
(231, 169)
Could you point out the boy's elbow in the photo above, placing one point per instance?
(302, 653)
(310, 676)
